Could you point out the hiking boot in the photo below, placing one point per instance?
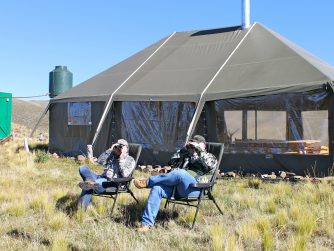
(88, 185)
(143, 229)
(140, 183)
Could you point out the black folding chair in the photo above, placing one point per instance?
(216, 149)
(114, 187)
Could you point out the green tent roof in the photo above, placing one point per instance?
(217, 64)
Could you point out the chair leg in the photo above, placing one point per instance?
(133, 196)
(214, 201)
(197, 209)
(174, 205)
(166, 204)
(113, 205)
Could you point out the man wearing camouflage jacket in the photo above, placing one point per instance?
(118, 164)
(192, 164)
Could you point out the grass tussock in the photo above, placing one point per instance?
(217, 235)
(254, 183)
(60, 243)
(16, 210)
(38, 209)
(58, 221)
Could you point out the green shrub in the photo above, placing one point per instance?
(41, 157)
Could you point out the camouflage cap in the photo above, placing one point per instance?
(123, 142)
(198, 139)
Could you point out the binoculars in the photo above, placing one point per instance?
(117, 150)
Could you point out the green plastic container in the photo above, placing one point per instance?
(60, 80)
(5, 114)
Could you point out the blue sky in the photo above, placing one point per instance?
(91, 36)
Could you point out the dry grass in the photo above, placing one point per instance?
(38, 212)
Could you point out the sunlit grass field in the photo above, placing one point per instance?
(38, 212)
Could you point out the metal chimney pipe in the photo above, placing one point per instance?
(245, 14)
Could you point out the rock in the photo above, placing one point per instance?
(269, 176)
(156, 170)
(289, 174)
(328, 178)
(145, 169)
(165, 169)
(168, 168)
(41, 137)
(315, 179)
(297, 178)
(81, 158)
(282, 174)
(230, 174)
(141, 167)
(55, 155)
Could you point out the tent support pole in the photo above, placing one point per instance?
(197, 114)
(255, 124)
(199, 107)
(110, 101)
(331, 127)
(244, 124)
(40, 119)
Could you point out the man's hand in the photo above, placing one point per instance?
(193, 147)
(184, 152)
(113, 146)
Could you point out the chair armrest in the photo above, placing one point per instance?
(115, 182)
(202, 185)
(121, 180)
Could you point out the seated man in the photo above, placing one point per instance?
(118, 164)
(195, 163)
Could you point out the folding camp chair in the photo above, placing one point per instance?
(116, 186)
(216, 149)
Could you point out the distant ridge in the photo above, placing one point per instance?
(27, 113)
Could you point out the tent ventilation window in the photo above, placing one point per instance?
(79, 113)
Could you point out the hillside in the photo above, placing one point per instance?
(27, 113)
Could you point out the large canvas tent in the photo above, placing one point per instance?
(227, 84)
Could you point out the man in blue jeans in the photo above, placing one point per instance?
(195, 163)
(118, 164)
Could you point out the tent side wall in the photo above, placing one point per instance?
(71, 135)
(282, 132)
(159, 126)
(331, 127)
